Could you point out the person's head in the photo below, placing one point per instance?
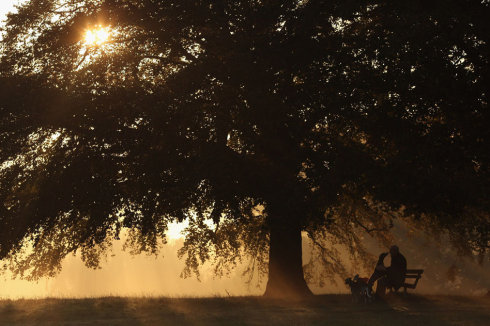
(394, 250)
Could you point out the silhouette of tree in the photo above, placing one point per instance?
(266, 117)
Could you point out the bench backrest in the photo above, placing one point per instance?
(414, 271)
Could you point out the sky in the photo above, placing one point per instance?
(5, 7)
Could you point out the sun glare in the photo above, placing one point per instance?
(98, 36)
(175, 230)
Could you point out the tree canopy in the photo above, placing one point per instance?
(267, 117)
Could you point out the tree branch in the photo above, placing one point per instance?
(368, 230)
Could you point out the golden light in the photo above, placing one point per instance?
(175, 230)
(97, 37)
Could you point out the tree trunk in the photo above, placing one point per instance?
(286, 279)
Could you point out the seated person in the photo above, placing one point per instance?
(392, 276)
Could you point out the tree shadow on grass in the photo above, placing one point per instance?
(393, 310)
(319, 310)
(104, 311)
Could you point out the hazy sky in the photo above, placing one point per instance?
(5, 7)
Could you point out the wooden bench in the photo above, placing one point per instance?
(415, 274)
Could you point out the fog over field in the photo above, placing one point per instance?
(126, 275)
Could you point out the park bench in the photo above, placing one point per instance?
(415, 274)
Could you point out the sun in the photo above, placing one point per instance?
(97, 36)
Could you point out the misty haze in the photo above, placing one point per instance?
(122, 274)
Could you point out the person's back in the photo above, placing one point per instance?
(398, 268)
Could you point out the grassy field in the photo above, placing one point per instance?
(322, 310)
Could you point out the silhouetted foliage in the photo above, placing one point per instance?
(267, 117)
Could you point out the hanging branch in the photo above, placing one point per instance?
(375, 229)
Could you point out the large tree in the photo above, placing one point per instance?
(267, 117)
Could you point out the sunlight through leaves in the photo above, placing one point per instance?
(97, 36)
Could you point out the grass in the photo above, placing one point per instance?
(322, 310)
